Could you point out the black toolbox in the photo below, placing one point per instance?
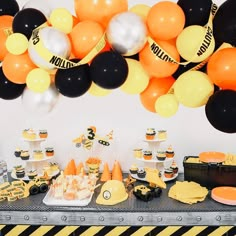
(209, 175)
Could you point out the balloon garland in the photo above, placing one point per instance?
(167, 54)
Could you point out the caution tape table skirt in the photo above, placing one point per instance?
(161, 216)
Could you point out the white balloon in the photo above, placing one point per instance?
(40, 103)
(42, 5)
(127, 33)
(54, 41)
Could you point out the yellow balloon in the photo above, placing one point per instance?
(166, 105)
(38, 80)
(61, 19)
(141, 10)
(17, 43)
(98, 91)
(193, 88)
(137, 79)
(194, 43)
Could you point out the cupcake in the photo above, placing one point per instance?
(170, 152)
(48, 170)
(43, 133)
(54, 166)
(32, 174)
(162, 134)
(25, 133)
(20, 171)
(31, 135)
(24, 155)
(133, 169)
(38, 154)
(161, 155)
(150, 133)
(141, 173)
(17, 152)
(168, 173)
(147, 155)
(138, 152)
(174, 167)
(49, 151)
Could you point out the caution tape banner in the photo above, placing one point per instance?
(203, 46)
(57, 61)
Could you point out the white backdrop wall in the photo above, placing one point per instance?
(189, 131)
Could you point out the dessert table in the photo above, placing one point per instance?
(162, 211)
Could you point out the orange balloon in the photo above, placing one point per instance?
(16, 67)
(100, 11)
(155, 88)
(5, 28)
(221, 68)
(165, 20)
(84, 37)
(155, 66)
(75, 20)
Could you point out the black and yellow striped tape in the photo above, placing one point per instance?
(37, 230)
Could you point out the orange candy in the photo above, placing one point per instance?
(84, 37)
(100, 11)
(165, 20)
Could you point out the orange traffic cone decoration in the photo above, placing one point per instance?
(80, 169)
(116, 171)
(106, 175)
(70, 168)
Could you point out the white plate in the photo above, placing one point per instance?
(34, 140)
(162, 177)
(26, 178)
(45, 158)
(49, 200)
(154, 140)
(155, 160)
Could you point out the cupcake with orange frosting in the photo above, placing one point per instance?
(174, 167)
(170, 152)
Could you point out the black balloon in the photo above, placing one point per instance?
(109, 70)
(221, 110)
(26, 20)
(8, 7)
(224, 24)
(196, 11)
(9, 90)
(73, 82)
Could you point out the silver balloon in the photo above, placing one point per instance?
(127, 33)
(40, 103)
(55, 41)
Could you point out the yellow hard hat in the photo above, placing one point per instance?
(112, 192)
